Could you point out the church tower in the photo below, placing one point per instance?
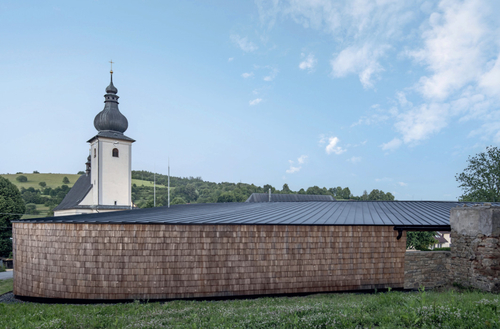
(107, 183)
(111, 155)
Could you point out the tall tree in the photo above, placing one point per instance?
(420, 240)
(11, 208)
(480, 181)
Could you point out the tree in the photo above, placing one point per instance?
(65, 180)
(42, 184)
(178, 200)
(420, 240)
(11, 208)
(80, 172)
(22, 179)
(480, 181)
(227, 197)
(286, 189)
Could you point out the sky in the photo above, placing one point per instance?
(366, 94)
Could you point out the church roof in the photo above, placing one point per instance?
(110, 118)
(264, 197)
(111, 134)
(409, 215)
(76, 194)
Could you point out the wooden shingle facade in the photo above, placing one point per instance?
(145, 261)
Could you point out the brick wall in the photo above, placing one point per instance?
(113, 261)
(430, 269)
(475, 253)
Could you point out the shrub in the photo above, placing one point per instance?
(42, 184)
(442, 249)
(22, 179)
(65, 180)
(80, 172)
(35, 172)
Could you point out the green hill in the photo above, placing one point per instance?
(52, 180)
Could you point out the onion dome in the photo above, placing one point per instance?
(110, 117)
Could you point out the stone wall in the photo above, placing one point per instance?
(430, 269)
(156, 261)
(475, 252)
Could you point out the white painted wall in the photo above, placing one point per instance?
(111, 176)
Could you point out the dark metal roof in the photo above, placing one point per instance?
(76, 194)
(111, 134)
(264, 197)
(111, 118)
(407, 215)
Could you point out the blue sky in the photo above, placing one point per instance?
(393, 95)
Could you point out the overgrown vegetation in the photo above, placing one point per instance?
(385, 310)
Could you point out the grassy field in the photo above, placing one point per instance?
(55, 180)
(6, 285)
(385, 310)
(52, 180)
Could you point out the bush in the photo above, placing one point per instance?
(65, 180)
(178, 200)
(80, 172)
(42, 184)
(31, 209)
(35, 172)
(442, 249)
(22, 179)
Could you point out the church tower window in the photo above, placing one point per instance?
(115, 152)
(95, 153)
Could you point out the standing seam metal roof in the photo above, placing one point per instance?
(388, 213)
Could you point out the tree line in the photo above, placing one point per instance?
(196, 190)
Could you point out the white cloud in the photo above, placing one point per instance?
(332, 145)
(247, 75)
(272, 75)
(354, 160)
(230, 59)
(243, 43)
(293, 169)
(302, 159)
(402, 184)
(455, 46)
(368, 26)
(309, 63)
(490, 81)
(255, 101)
(392, 145)
(363, 61)
(421, 122)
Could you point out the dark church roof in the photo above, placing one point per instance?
(110, 118)
(412, 215)
(77, 193)
(264, 197)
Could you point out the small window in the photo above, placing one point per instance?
(115, 152)
(115, 203)
(95, 153)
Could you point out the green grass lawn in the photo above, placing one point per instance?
(52, 180)
(6, 285)
(382, 310)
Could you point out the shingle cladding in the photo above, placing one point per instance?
(386, 213)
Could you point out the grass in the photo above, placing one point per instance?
(52, 180)
(449, 309)
(6, 285)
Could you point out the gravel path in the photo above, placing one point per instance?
(8, 298)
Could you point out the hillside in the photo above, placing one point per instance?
(41, 200)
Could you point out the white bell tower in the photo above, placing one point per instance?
(111, 156)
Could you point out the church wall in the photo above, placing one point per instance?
(156, 261)
(115, 183)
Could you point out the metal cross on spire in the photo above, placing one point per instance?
(111, 61)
